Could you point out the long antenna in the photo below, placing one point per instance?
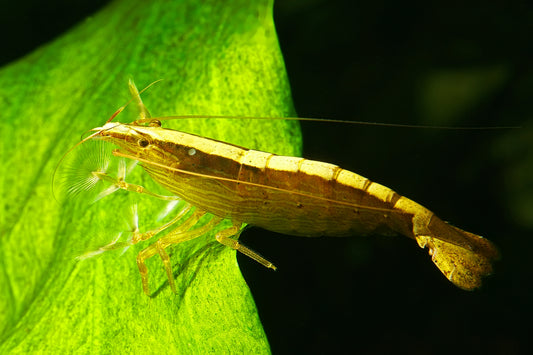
(328, 120)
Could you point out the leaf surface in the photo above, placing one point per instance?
(215, 58)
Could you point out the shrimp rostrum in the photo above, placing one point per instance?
(283, 194)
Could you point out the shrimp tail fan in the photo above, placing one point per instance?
(463, 257)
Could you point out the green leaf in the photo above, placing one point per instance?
(215, 58)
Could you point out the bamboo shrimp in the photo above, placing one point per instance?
(289, 195)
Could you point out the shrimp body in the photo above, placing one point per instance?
(295, 196)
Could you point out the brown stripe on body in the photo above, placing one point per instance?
(293, 213)
(294, 203)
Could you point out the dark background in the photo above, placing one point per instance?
(375, 61)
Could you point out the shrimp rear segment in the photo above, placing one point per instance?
(463, 257)
(358, 206)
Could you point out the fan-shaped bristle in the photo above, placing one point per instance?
(83, 172)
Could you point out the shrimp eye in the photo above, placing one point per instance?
(143, 143)
(154, 123)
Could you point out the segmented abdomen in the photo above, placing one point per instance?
(316, 198)
(286, 194)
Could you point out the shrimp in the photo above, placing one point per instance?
(284, 194)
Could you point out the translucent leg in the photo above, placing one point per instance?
(144, 115)
(136, 236)
(120, 184)
(223, 238)
(143, 111)
(181, 234)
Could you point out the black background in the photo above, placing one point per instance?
(366, 61)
